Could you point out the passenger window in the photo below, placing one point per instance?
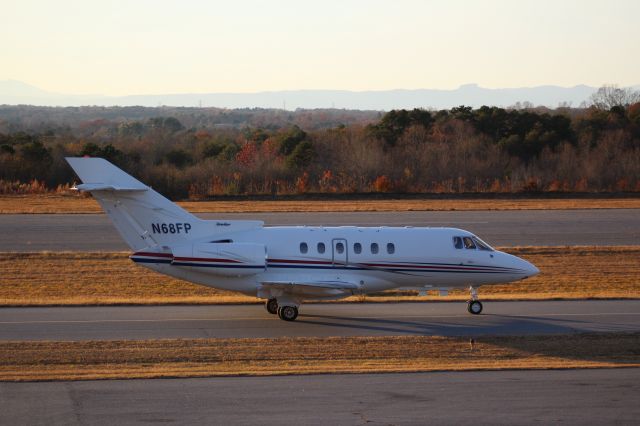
(468, 243)
(304, 248)
(457, 242)
(374, 248)
(339, 248)
(391, 248)
(321, 248)
(357, 248)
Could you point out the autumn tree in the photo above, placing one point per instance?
(610, 96)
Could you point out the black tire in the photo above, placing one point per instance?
(271, 306)
(474, 307)
(288, 313)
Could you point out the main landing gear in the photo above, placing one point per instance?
(474, 306)
(286, 313)
(271, 306)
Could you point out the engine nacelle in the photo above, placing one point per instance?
(227, 259)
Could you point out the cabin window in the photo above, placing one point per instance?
(374, 248)
(357, 248)
(304, 248)
(457, 242)
(339, 248)
(391, 248)
(468, 243)
(321, 248)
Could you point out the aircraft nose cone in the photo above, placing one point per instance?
(530, 269)
(520, 267)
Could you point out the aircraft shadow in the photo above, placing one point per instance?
(487, 324)
(554, 337)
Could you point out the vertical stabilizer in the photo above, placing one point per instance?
(143, 217)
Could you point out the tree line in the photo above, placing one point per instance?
(459, 150)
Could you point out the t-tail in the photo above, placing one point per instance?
(143, 217)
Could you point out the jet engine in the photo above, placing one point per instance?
(226, 259)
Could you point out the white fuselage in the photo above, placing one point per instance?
(372, 258)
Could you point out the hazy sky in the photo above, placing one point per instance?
(152, 47)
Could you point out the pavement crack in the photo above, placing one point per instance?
(76, 404)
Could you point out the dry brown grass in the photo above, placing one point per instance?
(76, 204)
(88, 360)
(576, 272)
(71, 278)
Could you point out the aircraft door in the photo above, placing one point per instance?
(340, 252)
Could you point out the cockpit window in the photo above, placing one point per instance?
(468, 243)
(471, 243)
(457, 242)
(481, 244)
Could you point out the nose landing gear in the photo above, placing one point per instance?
(474, 306)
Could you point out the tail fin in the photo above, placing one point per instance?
(143, 217)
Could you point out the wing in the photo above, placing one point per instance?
(334, 285)
(313, 288)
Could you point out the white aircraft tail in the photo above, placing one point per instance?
(143, 217)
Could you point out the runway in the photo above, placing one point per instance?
(94, 232)
(481, 398)
(318, 320)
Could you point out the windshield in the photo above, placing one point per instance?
(481, 245)
(470, 243)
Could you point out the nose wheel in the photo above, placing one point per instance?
(474, 306)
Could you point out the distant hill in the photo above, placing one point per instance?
(14, 92)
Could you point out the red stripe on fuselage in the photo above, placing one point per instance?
(460, 267)
(202, 259)
(386, 265)
(310, 262)
(186, 259)
(145, 253)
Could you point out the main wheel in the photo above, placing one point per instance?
(288, 313)
(474, 307)
(271, 306)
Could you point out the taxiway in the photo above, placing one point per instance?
(94, 232)
(318, 320)
(581, 397)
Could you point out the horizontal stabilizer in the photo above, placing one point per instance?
(108, 187)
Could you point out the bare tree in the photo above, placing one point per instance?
(609, 96)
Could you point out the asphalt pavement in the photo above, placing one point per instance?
(94, 232)
(568, 397)
(318, 320)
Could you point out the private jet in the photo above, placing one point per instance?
(286, 265)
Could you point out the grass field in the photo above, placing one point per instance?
(72, 278)
(85, 360)
(76, 204)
